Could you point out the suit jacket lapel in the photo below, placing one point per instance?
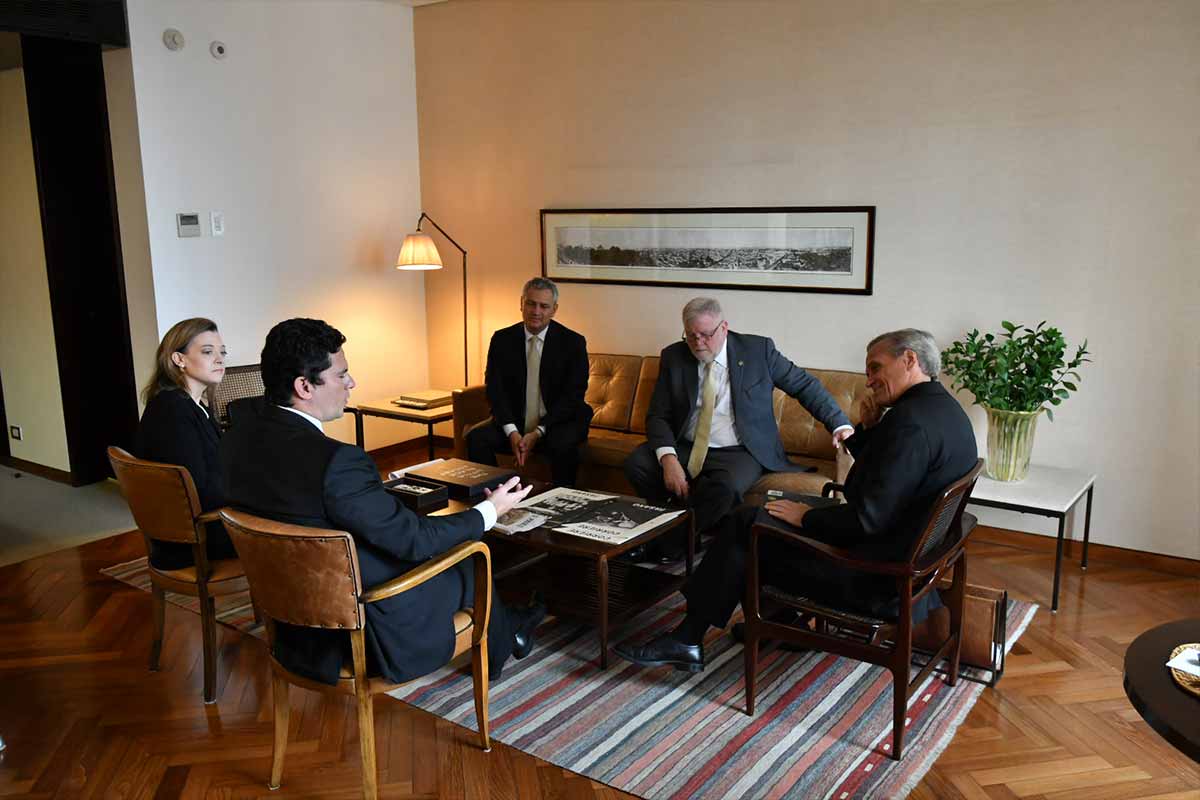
(691, 384)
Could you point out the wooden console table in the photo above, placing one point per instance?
(384, 408)
(1047, 492)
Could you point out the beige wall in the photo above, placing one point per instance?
(305, 136)
(131, 212)
(28, 360)
(1029, 161)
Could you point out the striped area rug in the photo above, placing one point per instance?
(233, 610)
(822, 727)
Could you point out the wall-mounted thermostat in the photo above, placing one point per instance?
(188, 225)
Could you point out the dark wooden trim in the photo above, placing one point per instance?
(50, 473)
(96, 21)
(1124, 556)
(870, 254)
(68, 120)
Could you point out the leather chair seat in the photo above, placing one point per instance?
(224, 570)
(462, 643)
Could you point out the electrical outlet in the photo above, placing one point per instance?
(15, 432)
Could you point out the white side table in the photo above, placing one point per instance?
(1048, 492)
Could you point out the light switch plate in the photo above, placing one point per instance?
(217, 220)
(15, 432)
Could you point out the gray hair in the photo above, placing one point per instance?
(699, 306)
(920, 342)
(539, 284)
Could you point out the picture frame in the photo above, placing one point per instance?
(825, 249)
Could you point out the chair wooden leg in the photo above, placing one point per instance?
(283, 710)
(158, 610)
(899, 710)
(208, 624)
(750, 654)
(479, 671)
(958, 590)
(366, 741)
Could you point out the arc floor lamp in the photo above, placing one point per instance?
(420, 253)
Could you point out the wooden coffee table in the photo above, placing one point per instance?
(582, 578)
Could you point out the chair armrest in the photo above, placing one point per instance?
(829, 488)
(209, 516)
(435, 566)
(352, 410)
(838, 555)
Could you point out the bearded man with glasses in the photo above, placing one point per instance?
(710, 427)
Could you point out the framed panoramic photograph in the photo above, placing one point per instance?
(802, 249)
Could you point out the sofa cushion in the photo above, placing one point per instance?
(791, 482)
(612, 381)
(609, 448)
(645, 390)
(802, 435)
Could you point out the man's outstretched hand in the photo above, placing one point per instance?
(507, 494)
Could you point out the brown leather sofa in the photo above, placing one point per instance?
(619, 389)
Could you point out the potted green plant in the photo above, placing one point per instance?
(1014, 375)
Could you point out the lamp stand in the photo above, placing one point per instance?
(449, 238)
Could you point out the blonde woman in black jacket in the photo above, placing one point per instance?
(176, 428)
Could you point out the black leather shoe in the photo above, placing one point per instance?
(664, 650)
(525, 622)
(738, 632)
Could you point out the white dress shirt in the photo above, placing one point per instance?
(722, 433)
(510, 429)
(485, 509)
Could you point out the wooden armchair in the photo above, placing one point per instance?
(310, 577)
(883, 641)
(166, 508)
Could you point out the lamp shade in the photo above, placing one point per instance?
(418, 252)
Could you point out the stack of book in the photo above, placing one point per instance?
(463, 479)
(428, 398)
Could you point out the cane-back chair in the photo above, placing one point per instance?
(886, 641)
(310, 577)
(166, 508)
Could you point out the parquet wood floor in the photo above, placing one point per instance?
(83, 718)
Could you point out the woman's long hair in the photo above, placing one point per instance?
(166, 375)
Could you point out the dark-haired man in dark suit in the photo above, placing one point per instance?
(537, 375)
(279, 464)
(904, 460)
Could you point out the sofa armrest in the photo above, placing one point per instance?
(470, 407)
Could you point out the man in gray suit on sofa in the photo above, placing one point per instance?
(710, 427)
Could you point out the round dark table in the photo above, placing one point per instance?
(1166, 707)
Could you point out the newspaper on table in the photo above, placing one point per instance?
(519, 520)
(592, 515)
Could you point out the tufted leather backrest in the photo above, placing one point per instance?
(612, 381)
(302, 576)
(645, 390)
(800, 432)
(162, 497)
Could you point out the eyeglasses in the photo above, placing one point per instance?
(697, 338)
